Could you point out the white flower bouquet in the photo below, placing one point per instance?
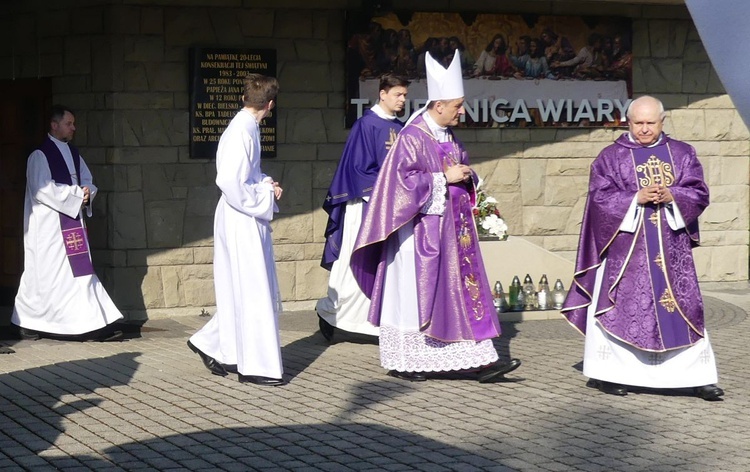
(487, 216)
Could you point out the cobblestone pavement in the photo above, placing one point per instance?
(148, 403)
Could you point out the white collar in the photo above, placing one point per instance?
(440, 132)
(378, 110)
(57, 141)
(654, 144)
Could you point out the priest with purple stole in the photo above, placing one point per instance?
(417, 254)
(59, 294)
(635, 293)
(345, 307)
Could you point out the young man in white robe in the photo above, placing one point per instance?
(60, 296)
(243, 335)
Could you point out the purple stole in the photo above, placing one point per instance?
(475, 287)
(654, 166)
(72, 229)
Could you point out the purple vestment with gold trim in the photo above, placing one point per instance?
(369, 141)
(649, 296)
(453, 293)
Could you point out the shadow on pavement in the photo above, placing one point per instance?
(33, 399)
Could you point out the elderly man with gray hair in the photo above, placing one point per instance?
(635, 291)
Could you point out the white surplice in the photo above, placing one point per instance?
(609, 359)
(49, 298)
(346, 306)
(244, 331)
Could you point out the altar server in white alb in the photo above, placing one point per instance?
(60, 296)
(243, 335)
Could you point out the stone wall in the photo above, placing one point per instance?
(123, 67)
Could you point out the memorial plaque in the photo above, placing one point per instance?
(216, 86)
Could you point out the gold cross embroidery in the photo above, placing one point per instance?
(659, 261)
(391, 139)
(668, 301)
(655, 172)
(74, 241)
(654, 218)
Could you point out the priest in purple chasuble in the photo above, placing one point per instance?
(59, 293)
(417, 254)
(635, 291)
(345, 307)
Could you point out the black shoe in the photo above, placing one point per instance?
(115, 335)
(326, 328)
(608, 387)
(259, 380)
(231, 368)
(496, 371)
(709, 393)
(410, 376)
(102, 335)
(29, 334)
(211, 364)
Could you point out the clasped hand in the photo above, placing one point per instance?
(654, 194)
(277, 190)
(457, 173)
(86, 196)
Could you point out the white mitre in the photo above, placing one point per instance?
(442, 83)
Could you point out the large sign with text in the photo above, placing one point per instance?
(216, 86)
(519, 70)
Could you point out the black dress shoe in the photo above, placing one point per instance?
(29, 334)
(709, 393)
(103, 335)
(410, 376)
(231, 368)
(496, 371)
(115, 335)
(326, 328)
(259, 380)
(609, 388)
(211, 364)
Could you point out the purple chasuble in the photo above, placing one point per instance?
(73, 232)
(453, 294)
(369, 141)
(649, 296)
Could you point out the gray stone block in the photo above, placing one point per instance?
(77, 55)
(201, 200)
(164, 223)
(128, 222)
(185, 27)
(257, 22)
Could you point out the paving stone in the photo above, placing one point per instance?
(149, 403)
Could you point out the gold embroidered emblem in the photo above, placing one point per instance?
(654, 218)
(74, 241)
(655, 172)
(659, 261)
(465, 240)
(391, 139)
(668, 301)
(472, 286)
(478, 310)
